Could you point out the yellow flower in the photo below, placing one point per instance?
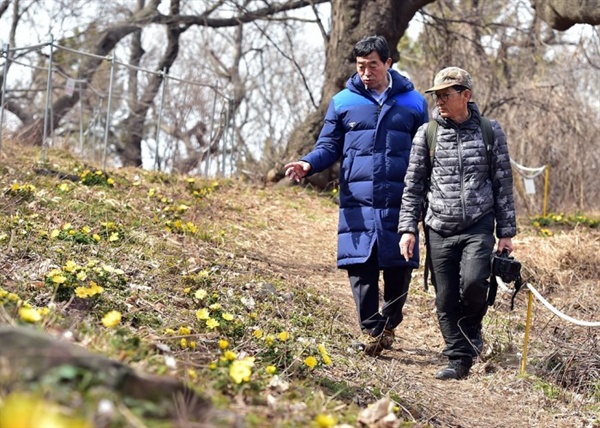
(29, 315)
(71, 266)
(283, 336)
(203, 314)
(86, 229)
(82, 292)
(192, 345)
(95, 288)
(59, 279)
(227, 316)
(229, 356)
(269, 339)
(257, 333)
(169, 331)
(212, 323)
(215, 306)
(184, 330)
(187, 290)
(183, 343)
(114, 236)
(212, 366)
(152, 192)
(223, 344)
(325, 421)
(311, 362)
(81, 275)
(96, 237)
(200, 294)
(241, 370)
(324, 355)
(111, 319)
(192, 374)
(54, 233)
(110, 181)
(271, 369)
(66, 226)
(191, 180)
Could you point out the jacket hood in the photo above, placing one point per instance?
(400, 84)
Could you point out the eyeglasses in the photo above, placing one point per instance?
(444, 97)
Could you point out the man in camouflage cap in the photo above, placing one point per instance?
(466, 187)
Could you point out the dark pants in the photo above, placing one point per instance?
(364, 279)
(460, 266)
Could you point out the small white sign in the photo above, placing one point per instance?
(70, 87)
(529, 186)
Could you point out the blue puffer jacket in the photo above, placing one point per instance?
(374, 144)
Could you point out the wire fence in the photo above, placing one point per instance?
(186, 125)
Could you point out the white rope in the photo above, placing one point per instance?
(528, 172)
(549, 306)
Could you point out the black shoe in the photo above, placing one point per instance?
(455, 370)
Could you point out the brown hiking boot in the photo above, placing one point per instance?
(375, 345)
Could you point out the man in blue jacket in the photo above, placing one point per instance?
(370, 125)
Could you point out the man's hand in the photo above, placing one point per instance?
(505, 244)
(297, 170)
(407, 245)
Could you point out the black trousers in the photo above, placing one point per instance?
(364, 280)
(460, 266)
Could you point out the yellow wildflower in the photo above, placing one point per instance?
(111, 319)
(110, 181)
(215, 306)
(59, 279)
(96, 237)
(192, 345)
(223, 344)
(257, 333)
(229, 356)
(81, 275)
(183, 343)
(200, 294)
(310, 362)
(227, 316)
(114, 236)
(29, 315)
(86, 229)
(54, 233)
(269, 339)
(184, 330)
(192, 374)
(203, 314)
(187, 290)
(169, 331)
(241, 370)
(212, 366)
(71, 266)
(283, 336)
(325, 421)
(212, 323)
(66, 226)
(82, 292)
(271, 369)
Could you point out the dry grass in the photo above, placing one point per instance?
(277, 245)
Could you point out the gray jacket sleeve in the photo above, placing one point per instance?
(416, 183)
(502, 185)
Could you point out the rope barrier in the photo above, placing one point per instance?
(549, 305)
(532, 172)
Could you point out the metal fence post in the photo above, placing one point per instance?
(160, 110)
(48, 97)
(81, 118)
(110, 90)
(7, 50)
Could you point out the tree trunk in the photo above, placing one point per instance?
(129, 148)
(351, 21)
(562, 15)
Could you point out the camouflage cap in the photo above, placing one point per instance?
(451, 76)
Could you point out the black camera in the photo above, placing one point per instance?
(506, 267)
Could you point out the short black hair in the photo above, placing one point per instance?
(372, 43)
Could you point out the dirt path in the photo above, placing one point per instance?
(300, 240)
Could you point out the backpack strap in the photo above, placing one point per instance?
(488, 137)
(431, 136)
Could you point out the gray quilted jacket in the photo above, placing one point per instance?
(461, 189)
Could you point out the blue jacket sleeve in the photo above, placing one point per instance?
(330, 143)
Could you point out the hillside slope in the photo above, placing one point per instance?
(232, 288)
